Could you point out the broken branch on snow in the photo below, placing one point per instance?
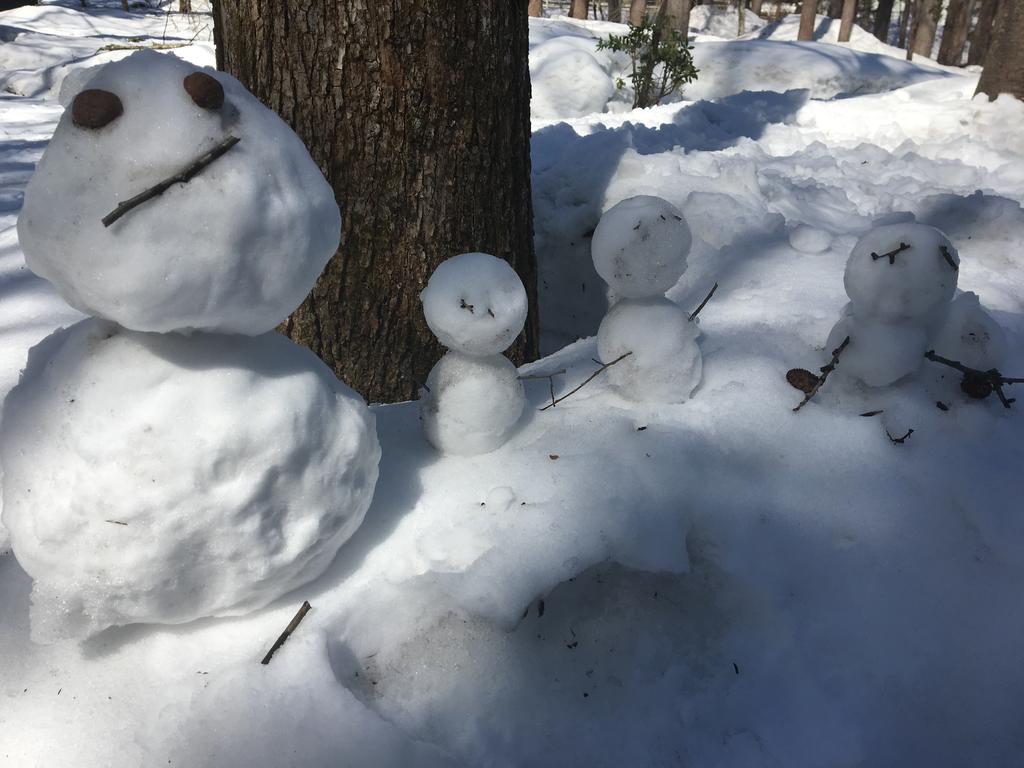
(825, 371)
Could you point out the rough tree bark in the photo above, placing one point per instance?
(926, 20)
(954, 33)
(883, 18)
(418, 112)
(536, 8)
(637, 12)
(1004, 61)
(807, 10)
(578, 9)
(615, 10)
(982, 34)
(675, 14)
(755, 6)
(846, 25)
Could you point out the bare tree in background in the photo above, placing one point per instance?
(419, 115)
(846, 25)
(926, 21)
(1004, 61)
(982, 33)
(578, 9)
(614, 10)
(835, 8)
(675, 14)
(954, 33)
(882, 20)
(807, 12)
(905, 15)
(536, 8)
(755, 6)
(637, 12)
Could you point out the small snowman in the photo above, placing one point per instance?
(476, 305)
(900, 279)
(640, 248)
(170, 458)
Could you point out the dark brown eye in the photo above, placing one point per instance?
(205, 91)
(94, 108)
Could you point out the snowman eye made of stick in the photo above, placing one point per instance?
(94, 108)
(204, 89)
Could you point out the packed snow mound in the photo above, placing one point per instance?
(722, 22)
(903, 271)
(825, 71)
(471, 404)
(971, 335)
(569, 78)
(475, 303)
(640, 246)
(663, 363)
(809, 239)
(162, 478)
(879, 353)
(234, 250)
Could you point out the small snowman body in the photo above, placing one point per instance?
(640, 248)
(476, 305)
(900, 279)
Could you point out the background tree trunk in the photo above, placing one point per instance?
(675, 14)
(954, 33)
(419, 115)
(926, 20)
(184, 6)
(908, 11)
(982, 33)
(637, 12)
(614, 10)
(846, 25)
(755, 6)
(807, 11)
(883, 18)
(536, 8)
(578, 9)
(835, 8)
(1004, 61)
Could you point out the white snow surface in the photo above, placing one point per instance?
(879, 353)
(729, 583)
(234, 250)
(158, 478)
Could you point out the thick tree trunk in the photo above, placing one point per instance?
(846, 25)
(755, 6)
(925, 23)
(615, 10)
(883, 18)
(675, 14)
(1004, 62)
(954, 33)
(982, 34)
(418, 112)
(637, 12)
(578, 9)
(807, 9)
(536, 8)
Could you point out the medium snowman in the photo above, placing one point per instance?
(171, 457)
(476, 305)
(639, 249)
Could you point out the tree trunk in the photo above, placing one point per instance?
(846, 25)
(908, 11)
(807, 9)
(418, 112)
(741, 18)
(755, 6)
(536, 8)
(883, 18)
(184, 6)
(1004, 62)
(675, 14)
(615, 11)
(954, 33)
(578, 9)
(637, 12)
(835, 8)
(925, 23)
(982, 33)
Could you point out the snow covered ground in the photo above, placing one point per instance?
(718, 583)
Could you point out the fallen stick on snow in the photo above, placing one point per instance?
(549, 376)
(183, 176)
(825, 371)
(604, 367)
(287, 631)
(978, 384)
(707, 298)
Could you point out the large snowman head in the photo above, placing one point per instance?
(235, 249)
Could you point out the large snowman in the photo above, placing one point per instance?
(171, 458)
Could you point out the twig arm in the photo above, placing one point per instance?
(707, 298)
(825, 371)
(303, 610)
(586, 381)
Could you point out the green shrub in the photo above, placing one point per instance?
(660, 60)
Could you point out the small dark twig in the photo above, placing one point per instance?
(287, 631)
(978, 384)
(183, 176)
(898, 440)
(872, 413)
(604, 367)
(693, 315)
(549, 376)
(115, 522)
(825, 371)
(891, 255)
(948, 257)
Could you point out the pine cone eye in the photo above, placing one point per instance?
(95, 108)
(205, 90)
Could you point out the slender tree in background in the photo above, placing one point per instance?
(614, 10)
(905, 14)
(807, 12)
(846, 25)
(755, 6)
(536, 8)
(675, 14)
(982, 33)
(1004, 61)
(882, 20)
(835, 8)
(578, 9)
(926, 21)
(637, 12)
(954, 33)
(419, 115)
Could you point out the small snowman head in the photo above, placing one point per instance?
(235, 249)
(902, 271)
(640, 247)
(475, 304)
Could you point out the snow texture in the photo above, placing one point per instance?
(162, 478)
(234, 250)
(640, 247)
(879, 353)
(971, 335)
(665, 364)
(475, 303)
(810, 240)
